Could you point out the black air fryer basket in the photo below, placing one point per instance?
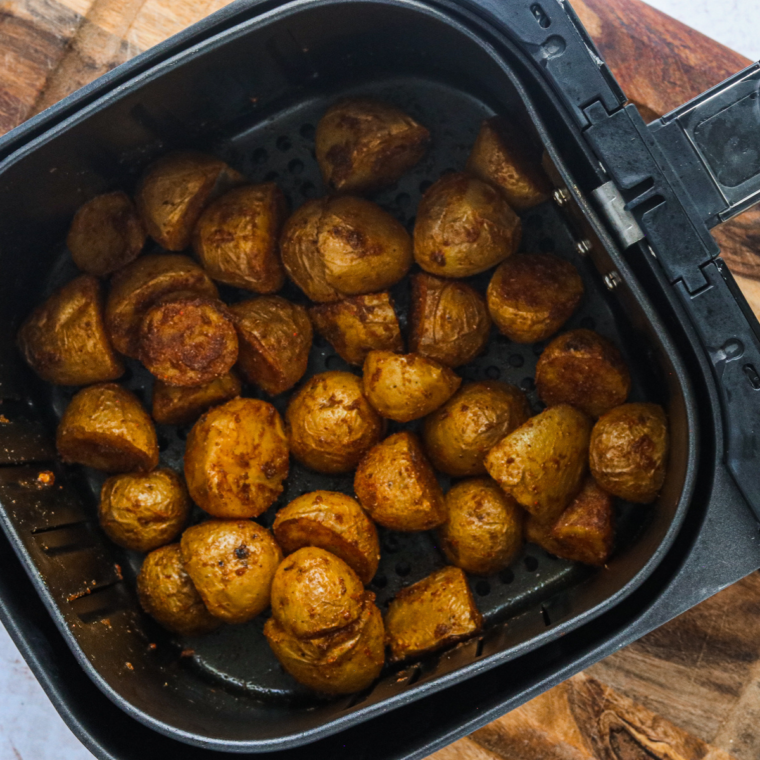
(632, 210)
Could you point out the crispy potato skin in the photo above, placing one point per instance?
(397, 486)
(458, 436)
(433, 613)
(64, 339)
(232, 564)
(358, 325)
(275, 339)
(405, 387)
(449, 320)
(330, 423)
(584, 369)
(363, 145)
(531, 296)
(237, 238)
(236, 459)
(464, 227)
(543, 462)
(484, 527)
(629, 451)
(106, 234)
(167, 594)
(105, 427)
(177, 405)
(332, 521)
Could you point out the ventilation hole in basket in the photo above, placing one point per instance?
(284, 143)
(533, 222)
(403, 569)
(415, 676)
(260, 156)
(410, 225)
(424, 185)
(448, 170)
(545, 614)
(357, 699)
(127, 376)
(539, 406)
(482, 588)
(163, 442)
(379, 582)
(271, 176)
(403, 200)
(308, 190)
(516, 361)
(182, 433)
(48, 528)
(67, 539)
(493, 373)
(95, 604)
(391, 544)
(528, 384)
(141, 395)
(588, 323)
(334, 362)
(538, 348)
(479, 650)
(307, 131)
(506, 576)
(546, 245)
(296, 166)
(531, 564)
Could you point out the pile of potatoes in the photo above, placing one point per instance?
(548, 478)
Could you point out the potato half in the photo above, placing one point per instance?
(177, 405)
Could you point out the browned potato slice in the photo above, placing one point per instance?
(584, 369)
(363, 145)
(334, 522)
(463, 227)
(236, 238)
(331, 425)
(64, 339)
(397, 486)
(177, 405)
(105, 427)
(629, 451)
(359, 325)
(232, 564)
(458, 436)
(531, 296)
(105, 234)
(275, 339)
(433, 613)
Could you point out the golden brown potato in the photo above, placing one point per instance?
(405, 387)
(433, 613)
(458, 436)
(275, 339)
(167, 594)
(359, 325)
(177, 405)
(232, 564)
(105, 427)
(531, 296)
(585, 370)
(484, 527)
(236, 238)
(397, 486)
(629, 451)
(344, 246)
(363, 145)
(542, 463)
(334, 522)
(464, 227)
(105, 234)
(449, 320)
(331, 425)
(64, 339)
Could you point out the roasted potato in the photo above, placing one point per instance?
(449, 320)
(363, 145)
(331, 425)
(397, 486)
(64, 339)
(531, 296)
(334, 522)
(463, 227)
(232, 564)
(437, 611)
(275, 339)
(237, 238)
(344, 246)
(105, 427)
(629, 451)
(458, 436)
(584, 369)
(359, 325)
(106, 234)
(178, 405)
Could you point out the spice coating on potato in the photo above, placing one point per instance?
(177, 405)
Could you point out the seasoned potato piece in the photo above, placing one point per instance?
(236, 238)
(433, 613)
(458, 436)
(105, 427)
(236, 459)
(406, 387)
(334, 522)
(363, 145)
(397, 486)
(584, 369)
(275, 339)
(463, 227)
(177, 405)
(629, 451)
(64, 339)
(331, 425)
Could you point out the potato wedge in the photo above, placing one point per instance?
(177, 405)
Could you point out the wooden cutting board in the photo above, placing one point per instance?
(691, 689)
